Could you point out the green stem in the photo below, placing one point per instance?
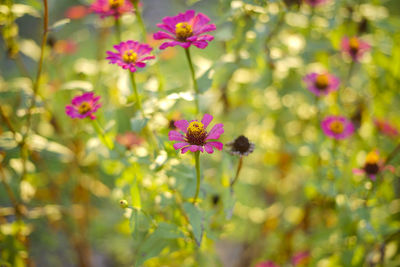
(103, 137)
(135, 91)
(392, 154)
(197, 163)
(151, 138)
(118, 29)
(240, 164)
(196, 87)
(140, 19)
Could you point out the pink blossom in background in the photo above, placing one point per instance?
(267, 264)
(195, 137)
(76, 12)
(107, 8)
(129, 140)
(83, 106)
(373, 166)
(315, 3)
(65, 47)
(321, 84)
(386, 128)
(354, 47)
(301, 258)
(337, 127)
(185, 29)
(130, 55)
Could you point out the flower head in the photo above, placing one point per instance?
(130, 54)
(106, 8)
(301, 258)
(83, 106)
(315, 3)
(76, 12)
(241, 146)
(354, 47)
(185, 29)
(321, 84)
(386, 128)
(129, 140)
(337, 127)
(195, 137)
(267, 264)
(373, 165)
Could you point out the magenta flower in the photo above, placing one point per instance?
(83, 106)
(267, 264)
(386, 128)
(321, 84)
(301, 258)
(106, 8)
(337, 127)
(373, 165)
(195, 136)
(315, 3)
(130, 54)
(354, 47)
(185, 29)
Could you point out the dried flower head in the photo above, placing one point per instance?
(185, 29)
(195, 137)
(241, 146)
(337, 127)
(83, 106)
(130, 55)
(321, 84)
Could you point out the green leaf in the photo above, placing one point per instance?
(204, 81)
(137, 124)
(59, 24)
(196, 221)
(157, 241)
(135, 194)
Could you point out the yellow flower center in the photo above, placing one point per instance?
(196, 134)
(84, 108)
(129, 56)
(337, 127)
(354, 44)
(116, 3)
(372, 158)
(322, 81)
(183, 30)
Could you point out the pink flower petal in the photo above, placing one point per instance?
(208, 148)
(207, 118)
(216, 131)
(175, 136)
(217, 145)
(182, 125)
(180, 145)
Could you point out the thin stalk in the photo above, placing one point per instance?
(140, 19)
(24, 149)
(103, 137)
(240, 164)
(118, 29)
(151, 138)
(196, 87)
(318, 120)
(197, 163)
(391, 156)
(135, 91)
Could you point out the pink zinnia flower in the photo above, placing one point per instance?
(301, 258)
(321, 84)
(337, 127)
(83, 106)
(315, 3)
(267, 264)
(373, 165)
(386, 128)
(195, 136)
(129, 140)
(354, 47)
(130, 54)
(106, 8)
(185, 30)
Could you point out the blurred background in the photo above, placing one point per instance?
(297, 201)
